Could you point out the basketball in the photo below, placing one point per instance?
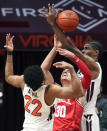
(67, 20)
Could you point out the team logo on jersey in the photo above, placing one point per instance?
(91, 13)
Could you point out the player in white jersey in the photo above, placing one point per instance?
(39, 90)
(90, 121)
(90, 54)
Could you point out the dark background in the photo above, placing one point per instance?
(12, 114)
(12, 108)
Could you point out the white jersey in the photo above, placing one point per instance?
(38, 115)
(92, 92)
(90, 121)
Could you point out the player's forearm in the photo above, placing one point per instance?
(77, 88)
(66, 43)
(46, 64)
(9, 66)
(86, 80)
(61, 36)
(71, 47)
(83, 67)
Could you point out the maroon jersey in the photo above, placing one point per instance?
(68, 115)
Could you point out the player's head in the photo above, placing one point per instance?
(33, 77)
(65, 76)
(93, 49)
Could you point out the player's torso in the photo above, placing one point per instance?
(68, 114)
(37, 113)
(92, 93)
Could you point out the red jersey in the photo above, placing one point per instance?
(68, 115)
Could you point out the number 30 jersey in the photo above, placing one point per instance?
(37, 112)
(68, 113)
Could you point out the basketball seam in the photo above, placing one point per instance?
(67, 19)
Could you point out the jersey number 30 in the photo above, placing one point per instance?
(60, 111)
(36, 109)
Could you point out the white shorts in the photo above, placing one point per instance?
(90, 122)
(36, 129)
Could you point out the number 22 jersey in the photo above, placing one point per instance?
(38, 115)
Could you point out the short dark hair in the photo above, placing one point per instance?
(33, 77)
(96, 45)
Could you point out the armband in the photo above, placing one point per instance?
(75, 59)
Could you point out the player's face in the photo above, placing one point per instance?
(88, 50)
(66, 75)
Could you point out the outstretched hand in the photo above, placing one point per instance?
(65, 53)
(9, 43)
(63, 65)
(50, 14)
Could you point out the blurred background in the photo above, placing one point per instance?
(34, 39)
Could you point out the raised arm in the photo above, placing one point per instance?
(46, 64)
(74, 90)
(86, 80)
(67, 43)
(10, 78)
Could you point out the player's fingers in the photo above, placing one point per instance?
(50, 8)
(45, 15)
(53, 8)
(57, 63)
(59, 49)
(12, 38)
(45, 9)
(58, 11)
(5, 46)
(7, 38)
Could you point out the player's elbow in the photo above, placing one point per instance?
(80, 93)
(44, 67)
(6, 79)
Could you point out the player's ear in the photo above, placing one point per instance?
(97, 52)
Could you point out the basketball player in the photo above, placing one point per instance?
(38, 89)
(90, 55)
(68, 112)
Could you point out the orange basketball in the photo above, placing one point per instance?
(67, 20)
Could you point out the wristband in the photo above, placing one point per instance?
(9, 53)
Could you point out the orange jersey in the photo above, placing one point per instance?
(68, 115)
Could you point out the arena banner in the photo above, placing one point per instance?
(44, 41)
(31, 30)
